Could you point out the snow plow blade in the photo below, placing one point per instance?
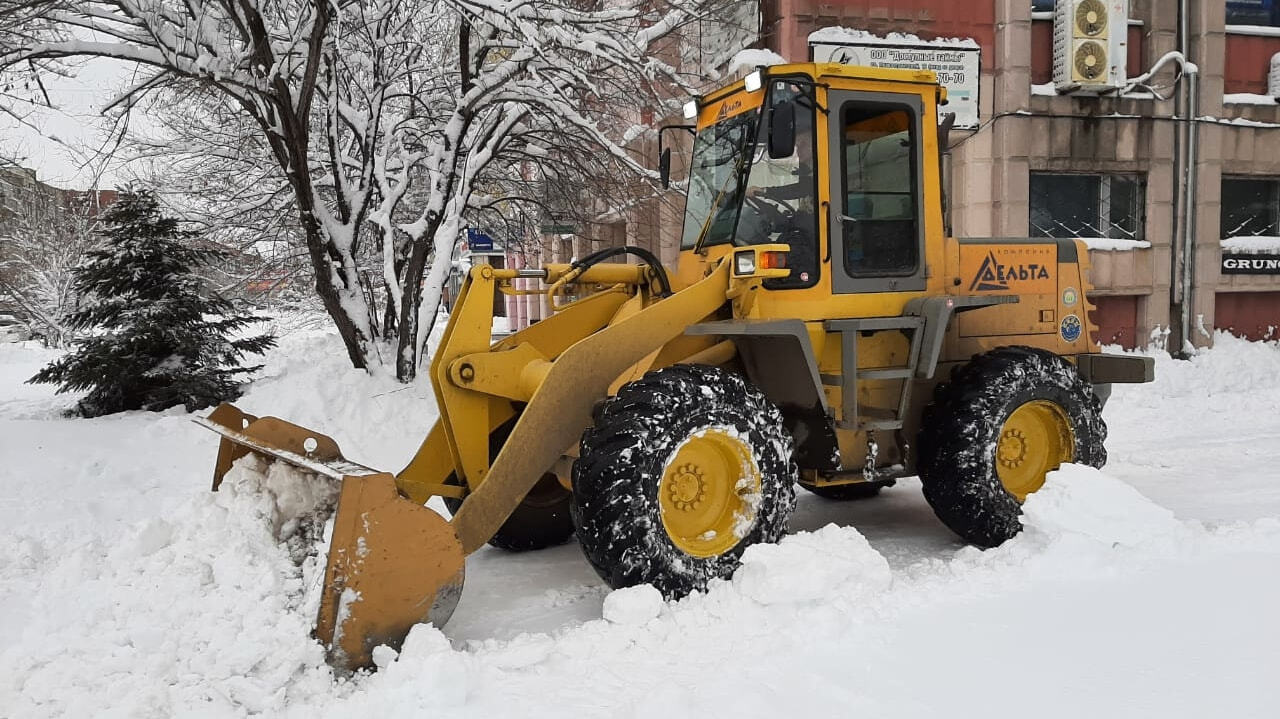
(392, 562)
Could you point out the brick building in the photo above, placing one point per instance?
(1039, 157)
(1109, 168)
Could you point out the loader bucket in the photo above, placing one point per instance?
(392, 563)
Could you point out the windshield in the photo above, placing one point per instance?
(739, 194)
(715, 180)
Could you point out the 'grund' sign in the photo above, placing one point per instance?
(1250, 264)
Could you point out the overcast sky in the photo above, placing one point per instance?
(75, 120)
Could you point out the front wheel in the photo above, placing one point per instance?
(996, 429)
(682, 471)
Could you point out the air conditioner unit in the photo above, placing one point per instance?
(1273, 78)
(1090, 39)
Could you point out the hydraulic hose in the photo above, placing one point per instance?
(648, 257)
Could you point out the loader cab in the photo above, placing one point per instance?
(838, 162)
(753, 178)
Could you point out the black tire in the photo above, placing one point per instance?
(616, 506)
(960, 431)
(542, 520)
(847, 492)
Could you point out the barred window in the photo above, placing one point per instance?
(1253, 12)
(1250, 207)
(1080, 205)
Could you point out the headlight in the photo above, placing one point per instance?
(690, 109)
(753, 81)
(744, 263)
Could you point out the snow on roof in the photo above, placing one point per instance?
(1248, 98)
(1263, 30)
(1109, 244)
(1256, 245)
(752, 58)
(852, 35)
(1048, 89)
(1241, 121)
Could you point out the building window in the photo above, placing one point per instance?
(1250, 207)
(1042, 5)
(1253, 12)
(1078, 205)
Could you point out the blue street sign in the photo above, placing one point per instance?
(478, 241)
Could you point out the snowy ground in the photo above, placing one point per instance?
(1150, 589)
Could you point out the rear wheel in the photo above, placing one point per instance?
(682, 471)
(541, 520)
(992, 433)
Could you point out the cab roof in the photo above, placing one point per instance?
(820, 70)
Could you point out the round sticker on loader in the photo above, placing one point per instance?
(1069, 296)
(1071, 328)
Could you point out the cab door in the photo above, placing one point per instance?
(877, 238)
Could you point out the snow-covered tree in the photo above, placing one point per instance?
(40, 246)
(386, 118)
(153, 339)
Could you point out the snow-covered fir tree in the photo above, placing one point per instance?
(154, 338)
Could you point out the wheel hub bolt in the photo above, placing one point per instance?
(686, 489)
(1013, 448)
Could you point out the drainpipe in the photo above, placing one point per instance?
(1185, 154)
(1179, 188)
(1189, 210)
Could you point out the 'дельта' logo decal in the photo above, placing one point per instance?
(992, 275)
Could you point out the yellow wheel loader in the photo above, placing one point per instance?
(821, 329)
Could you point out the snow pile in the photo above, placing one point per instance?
(1082, 501)
(1257, 245)
(129, 589)
(633, 605)
(813, 566)
(202, 610)
(1235, 377)
(808, 588)
(376, 420)
(296, 500)
(130, 586)
(820, 607)
(1201, 438)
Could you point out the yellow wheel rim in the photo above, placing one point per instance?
(1035, 439)
(709, 493)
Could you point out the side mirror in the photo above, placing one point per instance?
(944, 131)
(782, 130)
(664, 168)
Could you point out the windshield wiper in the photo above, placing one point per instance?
(712, 212)
(715, 205)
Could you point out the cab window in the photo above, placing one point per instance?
(880, 214)
(778, 204)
